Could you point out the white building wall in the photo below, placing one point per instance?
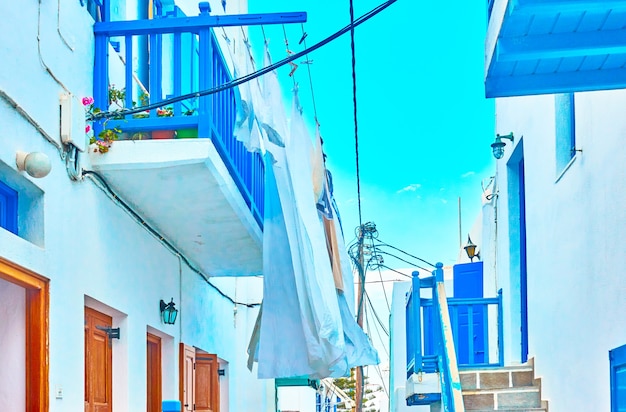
(576, 221)
(92, 251)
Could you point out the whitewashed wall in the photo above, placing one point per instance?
(576, 222)
(92, 251)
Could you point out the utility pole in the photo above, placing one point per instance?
(359, 319)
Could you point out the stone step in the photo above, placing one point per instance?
(520, 398)
(512, 410)
(501, 378)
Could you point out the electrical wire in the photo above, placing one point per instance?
(403, 260)
(398, 272)
(356, 123)
(380, 322)
(246, 78)
(103, 185)
(308, 66)
(406, 253)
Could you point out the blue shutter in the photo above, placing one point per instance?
(8, 208)
(617, 358)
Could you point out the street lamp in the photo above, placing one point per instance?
(470, 249)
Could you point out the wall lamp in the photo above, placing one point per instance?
(168, 312)
(36, 164)
(498, 145)
(470, 248)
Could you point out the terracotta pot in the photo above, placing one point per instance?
(162, 134)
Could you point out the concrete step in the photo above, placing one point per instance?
(520, 398)
(500, 378)
(512, 410)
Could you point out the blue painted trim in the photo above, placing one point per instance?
(617, 359)
(500, 331)
(423, 399)
(523, 265)
(194, 24)
(8, 208)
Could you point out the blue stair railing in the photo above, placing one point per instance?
(432, 326)
(184, 57)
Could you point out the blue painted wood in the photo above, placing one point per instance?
(523, 266)
(557, 47)
(471, 344)
(413, 327)
(617, 359)
(197, 63)
(194, 24)
(8, 208)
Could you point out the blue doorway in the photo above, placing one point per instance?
(470, 334)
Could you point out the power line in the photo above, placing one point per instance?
(246, 78)
(406, 253)
(399, 258)
(356, 123)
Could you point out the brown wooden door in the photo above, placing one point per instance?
(207, 383)
(98, 363)
(187, 375)
(153, 370)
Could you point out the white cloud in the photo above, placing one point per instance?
(410, 188)
(468, 174)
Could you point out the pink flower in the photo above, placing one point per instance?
(87, 101)
(87, 129)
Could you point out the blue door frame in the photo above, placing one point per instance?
(523, 268)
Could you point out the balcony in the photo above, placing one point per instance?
(198, 185)
(554, 46)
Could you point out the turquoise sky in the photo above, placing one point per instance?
(424, 124)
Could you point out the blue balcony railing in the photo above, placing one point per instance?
(152, 60)
(444, 335)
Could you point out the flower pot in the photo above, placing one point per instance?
(187, 133)
(163, 134)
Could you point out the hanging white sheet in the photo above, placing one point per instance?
(301, 330)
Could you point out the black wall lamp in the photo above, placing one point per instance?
(498, 145)
(470, 249)
(168, 312)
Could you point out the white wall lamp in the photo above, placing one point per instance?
(498, 145)
(36, 164)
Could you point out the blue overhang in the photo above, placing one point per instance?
(554, 46)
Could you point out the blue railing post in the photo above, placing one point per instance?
(417, 322)
(500, 331)
(101, 77)
(438, 272)
(205, 75)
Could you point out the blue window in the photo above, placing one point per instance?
(565, 130)
(617, 357)
(8, 208)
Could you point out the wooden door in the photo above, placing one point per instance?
(187, 377)
(36, 327)
(98, 362)
(153, 371)
(207, 383)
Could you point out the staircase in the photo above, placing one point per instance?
(509, 389)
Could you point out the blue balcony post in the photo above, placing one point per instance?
(417, 322)
(205, 73)
(500, 331)
(101, 77)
